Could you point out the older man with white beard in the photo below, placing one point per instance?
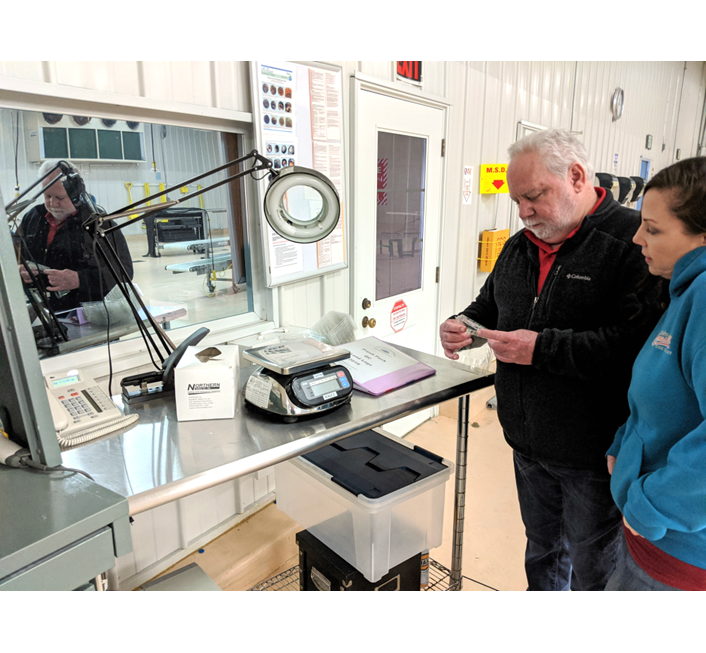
(560, 310)
(52, 238)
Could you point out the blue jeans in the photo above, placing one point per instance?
(629, 577)
(573, 527)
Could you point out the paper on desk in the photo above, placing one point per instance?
(292, 352)
(377, 367)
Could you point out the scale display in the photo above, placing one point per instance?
(321, 387)
(298, 377)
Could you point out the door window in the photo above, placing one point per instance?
(401, 162)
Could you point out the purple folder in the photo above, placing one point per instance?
(392, 380)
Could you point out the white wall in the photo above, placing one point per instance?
(488, 100)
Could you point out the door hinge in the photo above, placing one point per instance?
(437, 275)
(443, 147)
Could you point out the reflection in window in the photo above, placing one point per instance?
(188, 261)
(401, 174)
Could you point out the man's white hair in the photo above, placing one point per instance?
(559, 150)
(50, 163)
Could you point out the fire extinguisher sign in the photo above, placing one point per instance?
(398, 316)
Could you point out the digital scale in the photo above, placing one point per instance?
(297, 378)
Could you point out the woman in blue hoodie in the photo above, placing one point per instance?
(658, 457)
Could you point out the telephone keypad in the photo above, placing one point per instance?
(79, 408)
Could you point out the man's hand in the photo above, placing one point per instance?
(61, 280)
(453, 337)
(611, 463)
(24, 274)
(511, 346)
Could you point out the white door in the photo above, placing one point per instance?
(397, 221)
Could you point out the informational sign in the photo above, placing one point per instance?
(398, 316)
(467, 184)
(382, 181)
(493, 178)
(298, 112)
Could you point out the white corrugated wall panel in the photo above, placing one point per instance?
(233, 85)
(107, 76)
(570, 95)
(30, 70)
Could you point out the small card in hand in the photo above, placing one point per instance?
(472, 328)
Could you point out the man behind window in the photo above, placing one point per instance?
(53, 240)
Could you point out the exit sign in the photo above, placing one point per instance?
(410, 71)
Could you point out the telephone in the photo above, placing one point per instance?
(80, 409)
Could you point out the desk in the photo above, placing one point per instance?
(58, 530)
(160, 459)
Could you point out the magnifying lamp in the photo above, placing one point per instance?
(302, 205)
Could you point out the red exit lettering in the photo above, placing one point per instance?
(410, 70)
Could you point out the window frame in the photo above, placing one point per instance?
(131, 354)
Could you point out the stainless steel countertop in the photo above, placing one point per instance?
(161, 459)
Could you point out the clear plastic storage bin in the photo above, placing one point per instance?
(373, 535)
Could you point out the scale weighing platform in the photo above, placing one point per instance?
(298, 378)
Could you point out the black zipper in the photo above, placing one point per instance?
(546, 289)
(550, 287)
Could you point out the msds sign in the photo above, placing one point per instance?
(493, 178)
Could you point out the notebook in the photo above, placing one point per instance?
(377, 367)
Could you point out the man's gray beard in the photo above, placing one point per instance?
(542, 232)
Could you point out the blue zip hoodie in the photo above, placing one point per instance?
(659, 479)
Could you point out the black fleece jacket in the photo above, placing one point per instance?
(565, 407)
(71, 249)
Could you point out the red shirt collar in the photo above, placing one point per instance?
(53, 221)
(54, 226)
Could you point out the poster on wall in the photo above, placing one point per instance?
(298, 112)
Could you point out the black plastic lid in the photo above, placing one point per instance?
(374, 465)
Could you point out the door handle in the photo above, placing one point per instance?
(369, 322)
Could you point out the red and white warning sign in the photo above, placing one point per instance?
(382, 181)
(398, 316)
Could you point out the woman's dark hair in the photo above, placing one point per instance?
(687, 201)
(687, 181)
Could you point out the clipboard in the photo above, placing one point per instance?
(377, 367)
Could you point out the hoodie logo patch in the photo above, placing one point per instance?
(663, 341)
(578, 276)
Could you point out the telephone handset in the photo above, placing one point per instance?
(80, 409)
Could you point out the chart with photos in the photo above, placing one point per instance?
(298, 115)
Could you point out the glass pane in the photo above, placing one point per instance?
(82, 144)
(302, 203)
(56, 144)
(109, 144)
(401, 175)
(188, 262)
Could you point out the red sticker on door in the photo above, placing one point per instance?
(398, 316)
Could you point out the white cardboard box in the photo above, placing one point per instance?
(206, 390)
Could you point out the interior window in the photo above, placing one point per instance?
(188, 260)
